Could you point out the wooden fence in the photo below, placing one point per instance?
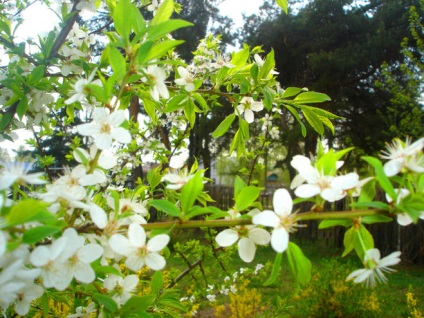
(388, 237)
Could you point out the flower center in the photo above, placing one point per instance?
(105, 128)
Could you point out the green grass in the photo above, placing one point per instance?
(326, 289)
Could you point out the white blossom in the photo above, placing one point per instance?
(374, 268)
(404, 155)
(403, 218)
(105, 128)
(186, 79)
(17, 172)
(247, 106)
(280, 219)
(155, 77)
(136, 251)
(79, 89)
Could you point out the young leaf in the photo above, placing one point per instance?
(224, 126)
(38, 233)
(106, 301)
(283, 5)
(157, 282)
(165, 206)
(29, 211)
(348, 241)
(382, 179)
(311, 97)
(190, 191)
(246, 197)
(136, 306)
(324, 224)
(275, 269)
(300, 265)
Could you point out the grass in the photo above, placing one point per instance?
(327, 295)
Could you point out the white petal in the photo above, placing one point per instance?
(266, 218)
(332, 195)
(98, 216)
(90, 252)
(103, 141)
(307, 191)
(345, 182)
(356, 273)
(117, 118)
(189, 87)
(248, 115)
(279, 240)
(40, 256)
(246, 250)
(84, 273)
(299, 161)
(183, 72)
(297, 181)
(155, 261)
(158, 243)
(390, 260)
(121, 135)
(393, 167)
(373, 254)
(88, 129)
(404, 219)
(134, 262)
(259, 236)
(282, 202)
(136, 235)
(120, 244)
(227, 237)
(130, 282)
(257, 106)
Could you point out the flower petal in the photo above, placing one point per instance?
(136, 235)
(155, 261)
(259, 236)
(227, 237)
(158, 243)
(279, 240)
(246, 250)
(266, 218)
(282, 202)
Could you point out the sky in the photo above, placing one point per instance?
(39, 20)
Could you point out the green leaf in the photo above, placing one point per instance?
(291, 91)
(175, 103)
(201, 101)
(239, 185)
(190, 111)
(268, 65)
(161, 49)
(373, 204)
(165, 206)
(296, 115)
(324, 224)
(239, 59)
(224, 126)
(413, 204)
(164, 12)
(150, 108)
(348, 241)
(314, 120)
(154, 178)
(136, 305)
(4, 121)
(275, 269)
(300, 265)
(22, 106)
(283, 5)
(246, 197)
(106, 301)
(157, 282)
(117, 62)
(311, 97)
(244, 128)
(370, 219)
(39, 233)
(190, 191)
(102, 270)
(123, 19)
(363, 241)
(382, 179)
(29, 211)
(157, 31)
(36, 75)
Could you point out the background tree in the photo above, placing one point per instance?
(340, 48)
